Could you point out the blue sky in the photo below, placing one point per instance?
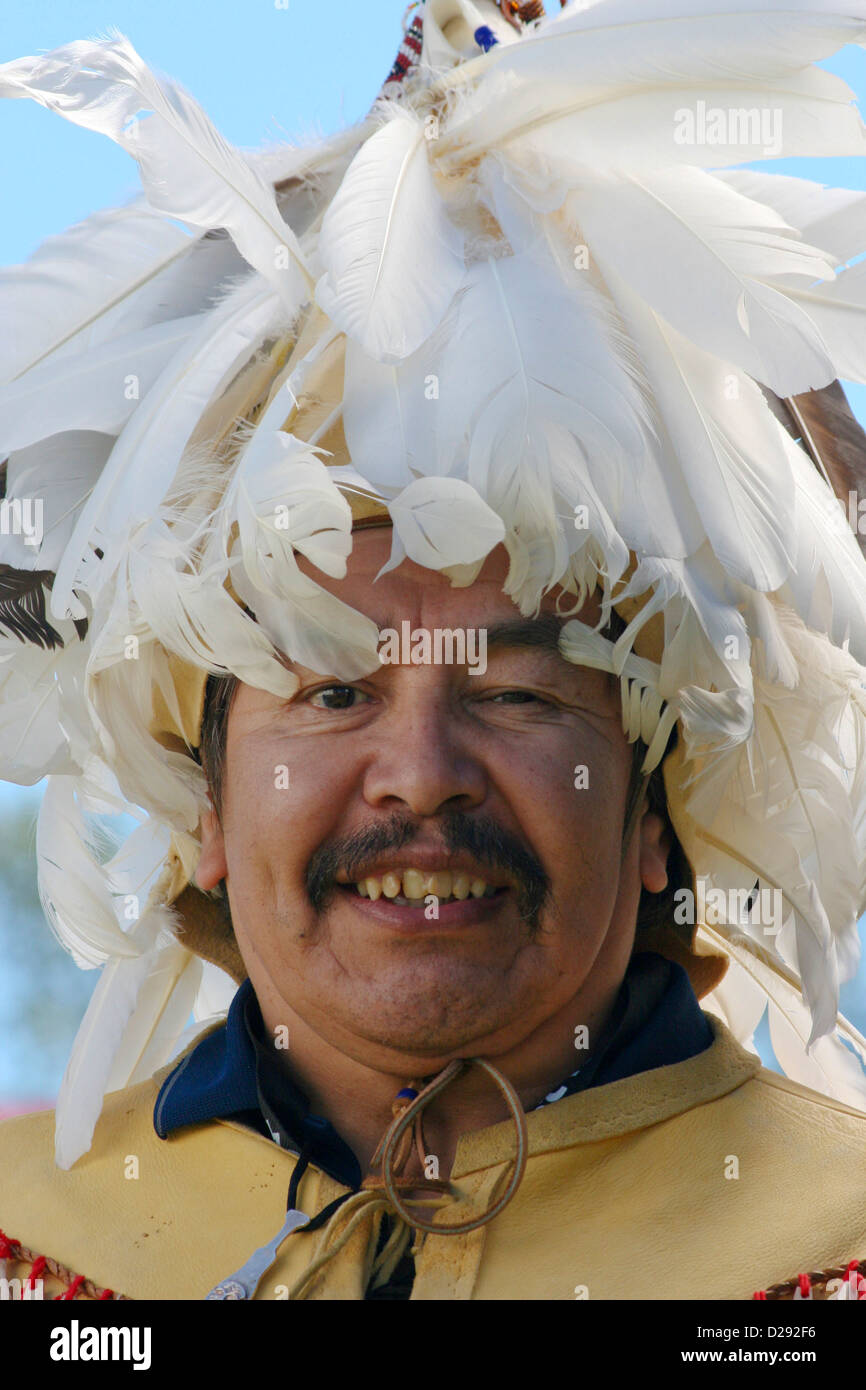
(264, 70)
(262, 73)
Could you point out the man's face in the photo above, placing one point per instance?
(510, 784)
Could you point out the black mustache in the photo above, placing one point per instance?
(480, 836)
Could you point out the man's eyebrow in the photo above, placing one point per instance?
(542, 633)
(526, 632)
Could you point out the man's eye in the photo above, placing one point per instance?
(337, 697)
(517, 697)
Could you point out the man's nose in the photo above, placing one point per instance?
(424, 760)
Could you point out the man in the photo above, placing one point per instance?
(489, 672)
(455, 791)
(433, 781)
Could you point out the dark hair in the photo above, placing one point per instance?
(654, 909)
(219, 693)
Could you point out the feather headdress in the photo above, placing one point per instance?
(529, 301)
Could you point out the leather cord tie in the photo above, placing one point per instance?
(382, 1192)
(397, 1143)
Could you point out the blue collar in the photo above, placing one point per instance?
(235, 1073)
(215, 1079)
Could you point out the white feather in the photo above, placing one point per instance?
(117, 273)
(193, 615)
(60, 473)
(774, 660)
(188, 170)
(828, 1065)
(839, 312)
(33, 743)
(125, 1012)
(440, 523)
(120, 704)
(699, 253)
(537, 392)
(384, 407)
(610, 46)
(99, 795)
(77, 283)
(72, 887)
(191, 284)
(392, 257)
(97, 390)
(809, 113)
(719, 442)
(313, 628)
(282, 499)
(738, 1000)
(832, 218)
(706, 642)
(145, 458)
(827, 582)
(163, 1011)
(796, 814)
(215, 993)
(553, 243)
(308, 174)
(134, 869)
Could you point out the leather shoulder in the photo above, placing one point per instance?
(146, 1217)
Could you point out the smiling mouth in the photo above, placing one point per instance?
(412, 887)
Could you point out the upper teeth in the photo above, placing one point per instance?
(413, 884)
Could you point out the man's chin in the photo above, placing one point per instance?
(410, 1048)
(431, 1007)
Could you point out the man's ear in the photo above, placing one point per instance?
(212, 867)
(655, 846)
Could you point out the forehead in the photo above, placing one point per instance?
(414, 592)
